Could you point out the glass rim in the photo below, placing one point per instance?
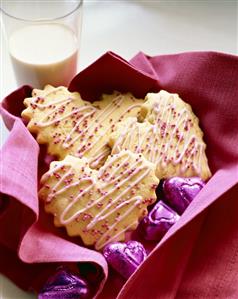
(80, 2)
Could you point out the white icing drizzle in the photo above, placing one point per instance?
(113, 159)
(94, 123)
(50, 172)
(122, 177)
(66, 143)
(107, 130)
(155, 144)
(41, 123)
(75, 200)
(115, 236)
(99, 217)
(105, 152)
(135, 200)
(80, 129)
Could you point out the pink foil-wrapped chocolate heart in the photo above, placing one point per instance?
(64, 284)
(159, 220)
(125, 257)
(179, 192)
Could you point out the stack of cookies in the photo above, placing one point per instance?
(111, 155)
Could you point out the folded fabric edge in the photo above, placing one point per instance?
(87, 78)
(216, 53)
(19, 131)
(141, 61)
(131, 65)
(71, 252)
(17, 96)
(8, 118)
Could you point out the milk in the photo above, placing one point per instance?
(44, 54)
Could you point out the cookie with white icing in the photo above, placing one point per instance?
(99, 206)
(69, 125)
(167, 133)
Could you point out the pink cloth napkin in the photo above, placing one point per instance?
(198, 257)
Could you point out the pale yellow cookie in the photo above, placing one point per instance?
(69, 125)
(167, 133)
(99, 206)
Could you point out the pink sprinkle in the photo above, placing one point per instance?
(57, 176)
(86, 217)
(99, 204)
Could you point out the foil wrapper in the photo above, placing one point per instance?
(125, 258)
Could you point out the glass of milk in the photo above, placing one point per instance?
(43, 40)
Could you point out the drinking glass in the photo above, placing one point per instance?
(43, 39)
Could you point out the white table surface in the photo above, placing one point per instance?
(126, 27)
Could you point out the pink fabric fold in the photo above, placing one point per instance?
(198, 257)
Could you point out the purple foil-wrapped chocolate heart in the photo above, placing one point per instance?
(125, 257)
(179, 192)
(154, 226)
(64, 284)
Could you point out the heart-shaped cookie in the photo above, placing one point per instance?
(167, 134)
(125, 258)
(69, 125)
(100, 206)
(64, 284)
(179, 192)
(159, 220)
